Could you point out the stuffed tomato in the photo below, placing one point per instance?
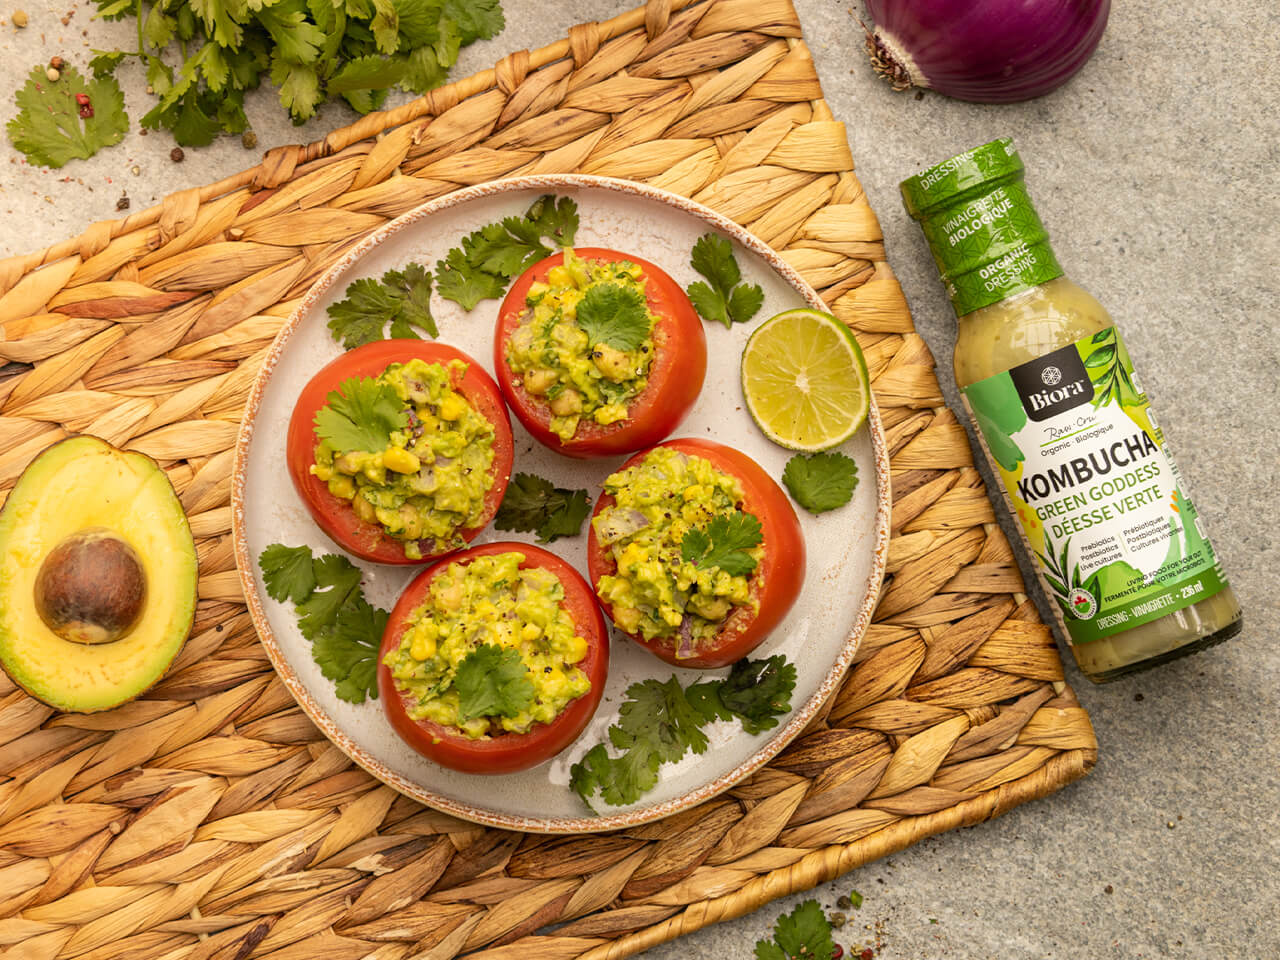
(401, 450)
(598, 352)
(695, 552)
(493, 660)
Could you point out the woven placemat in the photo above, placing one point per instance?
(211, 820)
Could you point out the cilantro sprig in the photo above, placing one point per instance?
(533, 504)
(402, 297)
(725, 543)
(67, 119)
(313, 52)
(487, 259)
(345, 630)
(723, 298)
(613, 314)
(492, 682)
(360, 415)
(660, 721)
(802, 934)
(822, 481)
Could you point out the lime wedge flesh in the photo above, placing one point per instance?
(805, 380)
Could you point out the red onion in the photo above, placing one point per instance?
(987, 51)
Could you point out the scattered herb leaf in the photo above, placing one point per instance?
(533, 505)
(287, 572)
(723, 298)
(360, 415)
(802, 934)
(821, 481)
(757, 692)
(613, 314)
(492, 682)
(402, 297)
(67, 119)
(345, 630)
(660, 721)
(725, 543)
(855, 898)
(487, 259)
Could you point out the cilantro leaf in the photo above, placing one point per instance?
(481, 266)
(52, 128)
(613, 314)
(533, 504)
(659, 722)
(723, 298)
(287, 572)
(347, 652)
(757, 692)
(724, 543)
(477, 19)
(492, 681)
(360, 415)
(805, 932)
(337, 581)
(821, 481)
(345, 630)
(659, 715)
(401, 296)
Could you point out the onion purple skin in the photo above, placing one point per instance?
(984, 51)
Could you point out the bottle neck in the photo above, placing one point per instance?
(989, 246)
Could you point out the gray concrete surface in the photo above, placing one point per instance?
(1156, 173)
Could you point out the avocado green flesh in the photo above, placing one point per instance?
(440, 488)
(654, 590)
(490, 600)
(554, 358)
(82, 483)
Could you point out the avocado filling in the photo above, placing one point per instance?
(431, 480)
(675, 534)
(585, 342)
(491, 650)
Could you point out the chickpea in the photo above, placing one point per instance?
(567, 403)
(539, 382)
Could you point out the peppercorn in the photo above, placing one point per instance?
(52, 74)
(20, 19)
(249, 140)
(176, 155)
(122, 203)
(57, 63)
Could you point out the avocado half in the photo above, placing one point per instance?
(97, 576)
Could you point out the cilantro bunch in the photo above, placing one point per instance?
(313, 50)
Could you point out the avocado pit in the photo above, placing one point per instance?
(91, 587)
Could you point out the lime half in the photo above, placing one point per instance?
(805, 380)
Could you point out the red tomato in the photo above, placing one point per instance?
(508, 752)
(776, 581)
(676, 371)
(334, 515)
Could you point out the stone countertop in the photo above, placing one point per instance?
(1155, 170)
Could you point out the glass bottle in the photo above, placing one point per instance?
(1066, 424)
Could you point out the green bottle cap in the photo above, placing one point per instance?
(985, 235)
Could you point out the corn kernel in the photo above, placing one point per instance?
(559, 276)
(422, 647)
(452, 407)
(530, 631)
(401, 461)
(577, 649)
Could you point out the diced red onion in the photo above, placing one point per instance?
(684, 648)
(617, 524)
(986, 51)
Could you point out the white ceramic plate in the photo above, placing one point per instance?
(846, 547)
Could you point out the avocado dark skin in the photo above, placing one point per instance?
(91, 587)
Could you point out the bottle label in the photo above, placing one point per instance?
(1089, 477)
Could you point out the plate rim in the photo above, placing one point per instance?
(636, 816)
